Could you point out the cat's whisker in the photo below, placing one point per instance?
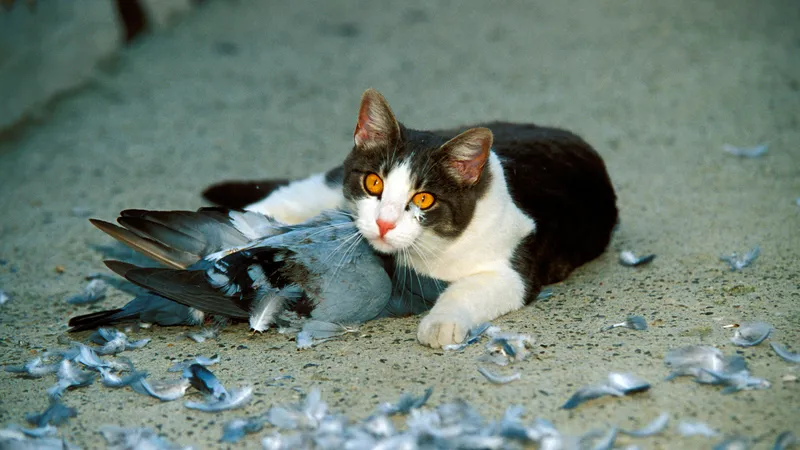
(348, 250)
(344, 241)
(419, 249)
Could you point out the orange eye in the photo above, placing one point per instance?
(423, 200)
(373, 184)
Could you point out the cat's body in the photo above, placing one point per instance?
(496, 224)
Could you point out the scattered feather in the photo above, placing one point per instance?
(265, 309)
(113, 341)
(203, 335)
(4, 297)
(629, 259)
(506, 348)
(112, 380)
(319, 329)
(205, 381)
(653, 428)
(785, 440)
(473, 335)
(164, 390)
(784, 353)
(405, 404)
(693, 428)
(746, 152)
(119, 438)
(544, 294)
(499, 379)
(633, 322)
(34, 368)
(235, 398)
(202, 360)
(750, 334)
(738, 263)
(734, 443)
(56, 414)
(736, 381)
(693, 360)
(94, 291)
(235, 430)
(617, 385)
(69, 376)
(38, 432)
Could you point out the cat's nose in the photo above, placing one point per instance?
(384, 226)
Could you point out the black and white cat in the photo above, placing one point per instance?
(497, 211)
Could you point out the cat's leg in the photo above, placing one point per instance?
(290, 202)
(470, 301)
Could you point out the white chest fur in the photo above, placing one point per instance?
(487, 243)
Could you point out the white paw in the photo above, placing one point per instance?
(438, 330)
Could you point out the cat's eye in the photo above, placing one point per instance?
(423, 200)
(373, 184)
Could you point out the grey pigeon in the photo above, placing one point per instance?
(248, 267)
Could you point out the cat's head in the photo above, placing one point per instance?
(403, 185)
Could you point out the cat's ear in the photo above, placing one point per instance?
(467, 154)
(376, 126)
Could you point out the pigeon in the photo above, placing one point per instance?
(245, 266)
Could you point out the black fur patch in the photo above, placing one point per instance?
(454, 205)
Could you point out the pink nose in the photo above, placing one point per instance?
(384, 227)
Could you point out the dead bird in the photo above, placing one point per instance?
(205, 381)
(248, 267)
(55, 414)
(617, 385)
(784, 353)
(750, 334)
(633, 322)
(94, 291)
(738, 263)
(69, 376)
(235, 398)
(629, 259)
(119, 438)
(164, 390)
(35, 368)
(113, 341)
(653, 428)
(405, 404)
(202, 360)
(499, 379)
(751, 152)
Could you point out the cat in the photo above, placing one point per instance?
(497, 210)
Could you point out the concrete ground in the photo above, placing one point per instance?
(256, 89)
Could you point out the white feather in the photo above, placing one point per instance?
(266, 308)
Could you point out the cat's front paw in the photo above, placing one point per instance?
(438, 330)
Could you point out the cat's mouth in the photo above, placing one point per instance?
(381, 245)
